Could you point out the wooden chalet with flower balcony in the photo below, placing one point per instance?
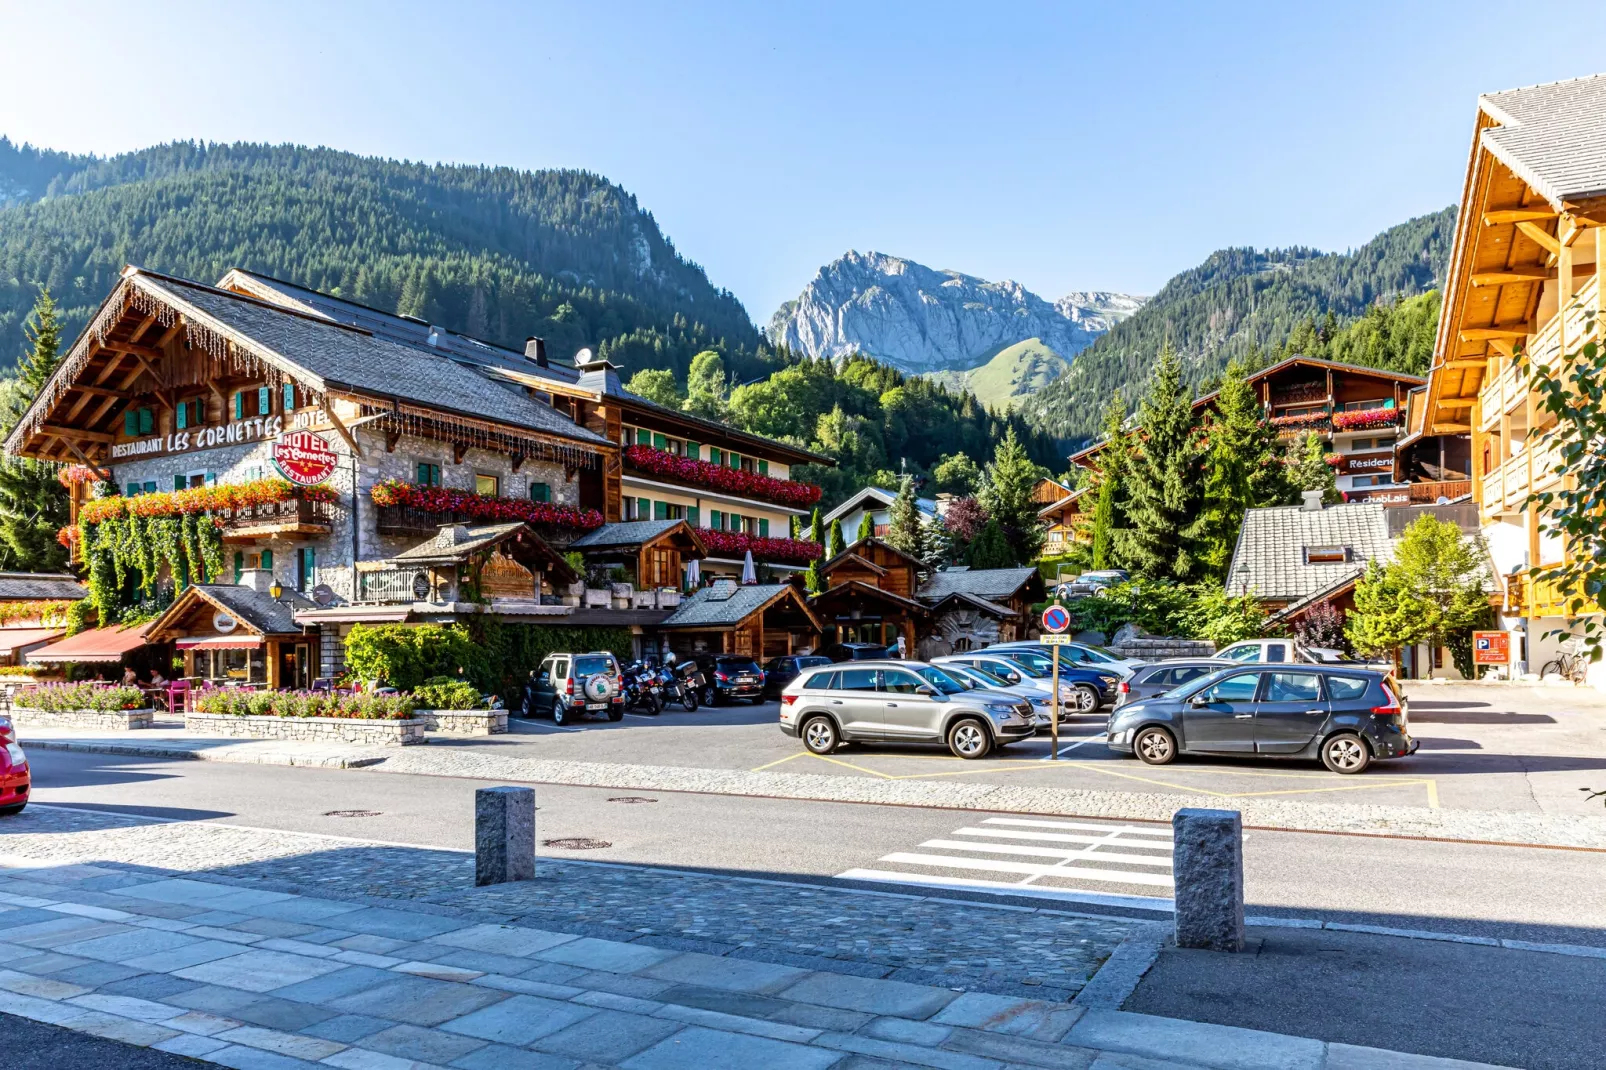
(1527, 272)
(256, 427)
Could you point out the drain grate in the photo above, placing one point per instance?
(632, 799)
(576, 843)
(351, 813)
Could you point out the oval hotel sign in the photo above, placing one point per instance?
(304, 458)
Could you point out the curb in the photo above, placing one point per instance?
(157, 750)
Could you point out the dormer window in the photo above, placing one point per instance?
(1327, 555)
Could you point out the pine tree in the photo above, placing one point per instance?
(811, 577)
(991, 548)
(1242, 471)
(903, 529)
(816, 532)
(33, 504)
(866, 527)
(1312, 472)
(835, 547)
(1108, 513)
(707, 390)
(1007, 486)
(936, 543)
(1162, 481)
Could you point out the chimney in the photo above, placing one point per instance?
(535, 351)
(258, 579)
(1312, 502)
(434, 336)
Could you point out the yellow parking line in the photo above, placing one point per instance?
(850, 765)
(1433, 793)
(779, 761)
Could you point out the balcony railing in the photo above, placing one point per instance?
(1506, 489)
(294, 513)
(393, 585)
(1543, 597)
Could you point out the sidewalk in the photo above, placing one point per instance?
(208, 960)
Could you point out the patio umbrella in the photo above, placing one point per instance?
(694, 574)
(749, 573)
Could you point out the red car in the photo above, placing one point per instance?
(14, 779)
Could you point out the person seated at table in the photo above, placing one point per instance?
(157, 679)
(130, 677)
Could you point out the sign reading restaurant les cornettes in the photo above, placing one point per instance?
(232, 433)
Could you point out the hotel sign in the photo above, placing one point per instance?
(1368, 462)
(232, 433)
(304, 458)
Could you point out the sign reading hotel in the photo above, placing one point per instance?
(202, 438)
(304, 458)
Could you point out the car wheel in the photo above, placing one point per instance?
(616, 712)
(1155, 746)
(820, 735)
(7, 811)
(560, 714)
(1086, 699)
(1346, 753)
(710, 696)
(969, 738)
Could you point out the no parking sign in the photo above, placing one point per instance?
(1056, 619)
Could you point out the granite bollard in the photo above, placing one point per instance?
(504, 835)
(1207, 864)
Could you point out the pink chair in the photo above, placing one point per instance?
(178, 692)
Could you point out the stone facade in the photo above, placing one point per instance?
(100, 720)
(309, 729)
(463, 722)
(1155, 648)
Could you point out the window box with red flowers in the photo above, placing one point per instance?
(223, 500)
(1365, 419)
(1302, 421)
(665, 465)
(737, 543)
(429, 507)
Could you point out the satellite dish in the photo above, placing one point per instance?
(585, 356)
(323, 594)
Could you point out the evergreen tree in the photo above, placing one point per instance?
(903, 530)
(835, 547)
(811, 577)
(33, 504)
(957, 474)
(1162, 481)
(866, 527)
(1312, 472)
(1108, 513)
(816, 533)
(991, 548)
(1382, 620)
(707, 390)
(936, 544)
(1007, 486)
(1241, 472)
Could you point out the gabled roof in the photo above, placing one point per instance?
(1069, 499)
(856, 551)
(40, 587)
(257, 610)
(1269, 560)
(871, 591)
(875, 499)
(726, 604)
(985, 583)
(632, 534)
(455, 543)
(848, 557)
(960, 598)
(1552, 136)
(713, 427)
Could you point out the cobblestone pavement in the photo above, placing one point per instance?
(134, 948)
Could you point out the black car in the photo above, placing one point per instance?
(1347, 718)
(730, 676)
(855, 652)
(778, 672)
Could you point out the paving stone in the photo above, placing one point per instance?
(52, 964)
(313, 911)
(50, 935)
(274, 928)
(347, 1028)
(527, 987)
(418, 1000)
(40, 1010)
(242, 1058)
(233, 936)
(259, 971)
(189, 1044)
(143, 1010)
(342, 982)
(363, 1059)
(557, 973)
(157, 986)
(270, 1011)
(606, 955)
(1020, 1049)
(607, 1036)
(43, 987)
(1167, 1038)
(903, 1031)
(89, 910)
(128, 945)
(619, 984)
(745, 1004)
(296, 947)
(185, 892)
(695, 1048)
(295, 1045)
(167, 925)
(438, 970)
(519, 1019)
(116, 1027)
(397, 924)
(363, 958)
(501, 1057)
(904, 1053)
(1000, 1014)
(193, 954)
(16, 919)
(895, 998)
(423, 1045)
(612, 1002)
(735, 1023)
(479, 961)
(502, 939)
(201, 1023)
(369, 943)
(1351, 1057)
(733, 975)
(826, 1019)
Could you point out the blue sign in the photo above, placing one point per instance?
(1056, 619)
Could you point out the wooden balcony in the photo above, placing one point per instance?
(1508, 391)
(1506, 489)
(296, 516)
(1543, 597)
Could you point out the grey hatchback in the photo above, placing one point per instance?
(1346, 718)
(900, 701)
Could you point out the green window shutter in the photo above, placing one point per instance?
(694, 450)
(264, 401)
(541, 492)
(149, 487)
(289, 392)
(422, 475)
(693, 517)
(239, 564)
(736, 460)
(267, 558)
(716, 519)
(239, 404)
(181, 416)
(660, 510)
(716, 456)
(130, 423)
(643, 437)
(763, 528)
(763, 468)
(133, 490)
(660, 442)
(147, 421)
(178, 482)
(211, 478)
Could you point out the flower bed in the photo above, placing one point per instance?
(231, 702)
(387, 733)
(482, 506)
(656, 462)
(1361, 419)
(196, 500)
(737, 543)
(97, 706)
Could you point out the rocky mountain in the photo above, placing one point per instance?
(921, 320)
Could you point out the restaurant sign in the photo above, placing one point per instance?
(304, 458)
(232, 433)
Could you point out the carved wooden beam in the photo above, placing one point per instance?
(1533, 213)
(341, 429)
(104, 476)
(1541, 237)
(69, 433)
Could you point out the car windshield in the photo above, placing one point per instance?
(967, 677)
(590, 666)
(1027, 667)
(736, 665)
(940, 680)
(990, 679)
(1097, 653)
(1035, 658)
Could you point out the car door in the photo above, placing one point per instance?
(1290, 711)
(546, 692)
(1221, 718)
(907, 714)
(857, 702)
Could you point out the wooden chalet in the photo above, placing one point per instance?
(762, 620)
(869, 596)
(652, 553)
(240, 633)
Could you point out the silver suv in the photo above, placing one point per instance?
(899, 701)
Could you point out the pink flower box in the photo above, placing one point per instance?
(662, 463)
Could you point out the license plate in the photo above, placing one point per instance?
(596, 705)
(747, 679)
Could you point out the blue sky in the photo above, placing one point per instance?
(1068, 146)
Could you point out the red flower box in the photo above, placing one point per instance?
(1360, 419)
(483, 506)
(195, 500)
(656, 462)
(737, 543)
(1303, 420)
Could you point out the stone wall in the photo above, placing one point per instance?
(309, 729)
(115, 721)
(463, 722)
(1155, 648)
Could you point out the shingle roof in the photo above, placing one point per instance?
(40, 586)
(1269, 560)
(1552, 136)
(457, 542)
(722, 604)
(975, 602)
(988, 583)
(629, 533)
(881, 495)
(258, 608)
(356, 359)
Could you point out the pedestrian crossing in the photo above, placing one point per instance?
(1103, 863)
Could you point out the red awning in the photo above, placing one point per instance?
(220, 642)
(96, 644)
(14, 639)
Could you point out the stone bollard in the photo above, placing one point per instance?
(1207, 863)
(504, 835)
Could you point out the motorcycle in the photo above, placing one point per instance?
(642, 691)
(685, 684)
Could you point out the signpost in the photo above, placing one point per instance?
(1055, 621)
(1491, 648)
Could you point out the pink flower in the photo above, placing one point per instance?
(482, 506)
(737, 543)
(658, 462)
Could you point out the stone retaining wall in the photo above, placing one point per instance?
(116, 721)
(1153, 648)
(309, 729)
(463, 722)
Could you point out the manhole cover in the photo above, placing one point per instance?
(351, 813)
(576, 843)
(631, 799)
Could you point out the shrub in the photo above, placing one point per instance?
(103, 698)
(404, 656)
(1199, 611)
(366, 707)
(444, 693)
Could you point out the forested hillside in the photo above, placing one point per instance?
(495, 252)
(1246, 302)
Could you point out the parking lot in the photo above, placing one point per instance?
(1483, 747)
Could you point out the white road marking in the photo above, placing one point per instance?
(1065, 895)
(1067, 749)
(1160, 832)
(1046, 852)
(1060, 837)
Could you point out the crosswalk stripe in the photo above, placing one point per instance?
(1060, 837)
(1128, 830)
(1031, 891)
(1034, 869)
(1046, 852)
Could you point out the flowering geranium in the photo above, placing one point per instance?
(656, 462)
(1358, 419)
(67, 535)
(195, 500)
(482, 506)
(1300, 420)
(75, 473)
(737, 543)
(102, 698)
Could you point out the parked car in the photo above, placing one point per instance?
(1275, 650)
(15, 780)
(1347, 718)
(899, 701)
(854, 651)
(778, 672)
(1093, 583)
(1083, 690)
(566, 687)
(974, 678)
(1159, 677)
(1083, 654)
(727, 677)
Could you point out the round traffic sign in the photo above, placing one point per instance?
(1056, 619)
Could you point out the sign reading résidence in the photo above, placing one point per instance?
(203, 438)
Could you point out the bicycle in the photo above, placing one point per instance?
(1568, 666)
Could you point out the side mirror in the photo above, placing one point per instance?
(927, 690)
(1198, 701)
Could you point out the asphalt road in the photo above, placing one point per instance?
(30, 1045)
(1538, 894)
